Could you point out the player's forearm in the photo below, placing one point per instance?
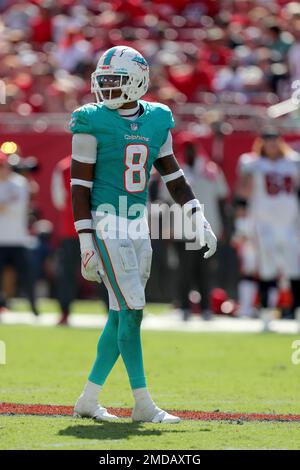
(173, 176)
(81, 181)
(180, 190)
(81, 204)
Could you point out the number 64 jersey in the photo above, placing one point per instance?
(126, 151)
(274, 214)
(274, 198)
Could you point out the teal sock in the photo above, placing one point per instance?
(130, 347)
(107, 350)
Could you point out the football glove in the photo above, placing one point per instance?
(91, 264)
(210, 240)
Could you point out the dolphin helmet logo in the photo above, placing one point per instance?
(141, 62)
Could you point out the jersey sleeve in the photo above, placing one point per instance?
(84, 148)
(167, 147)
(166, 122)
(171, 119)
(81, 122)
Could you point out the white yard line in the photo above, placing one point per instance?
(165, 322)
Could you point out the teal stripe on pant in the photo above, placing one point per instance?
(110, 273)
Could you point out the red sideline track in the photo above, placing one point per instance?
(58, 410)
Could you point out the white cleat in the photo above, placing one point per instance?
(164, 417)
(87, 409)
(159, 416)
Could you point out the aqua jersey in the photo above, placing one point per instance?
(126, 151)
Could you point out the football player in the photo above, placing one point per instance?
(269, 180)
(115, 143)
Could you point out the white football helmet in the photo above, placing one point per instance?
(121, 71)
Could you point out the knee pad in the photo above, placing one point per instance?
(136, 297)
(133, 289)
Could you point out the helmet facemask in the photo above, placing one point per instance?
(107, 84)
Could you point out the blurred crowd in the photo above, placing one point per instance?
(237, 50)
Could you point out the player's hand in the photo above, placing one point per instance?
(91, 264)
(210, 240)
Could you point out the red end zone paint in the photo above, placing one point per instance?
(58, 410)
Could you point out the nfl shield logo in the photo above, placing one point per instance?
(134, 126)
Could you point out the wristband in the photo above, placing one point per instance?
(79, 182)
(172, 176)
(83, 224)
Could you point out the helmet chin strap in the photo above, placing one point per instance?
(112, 105)
(115, 103)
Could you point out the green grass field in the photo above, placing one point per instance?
(186, 371)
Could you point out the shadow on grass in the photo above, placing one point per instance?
(106, 430)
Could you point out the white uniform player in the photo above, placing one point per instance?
(274, 210)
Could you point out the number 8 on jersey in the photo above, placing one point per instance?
(136, 156)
